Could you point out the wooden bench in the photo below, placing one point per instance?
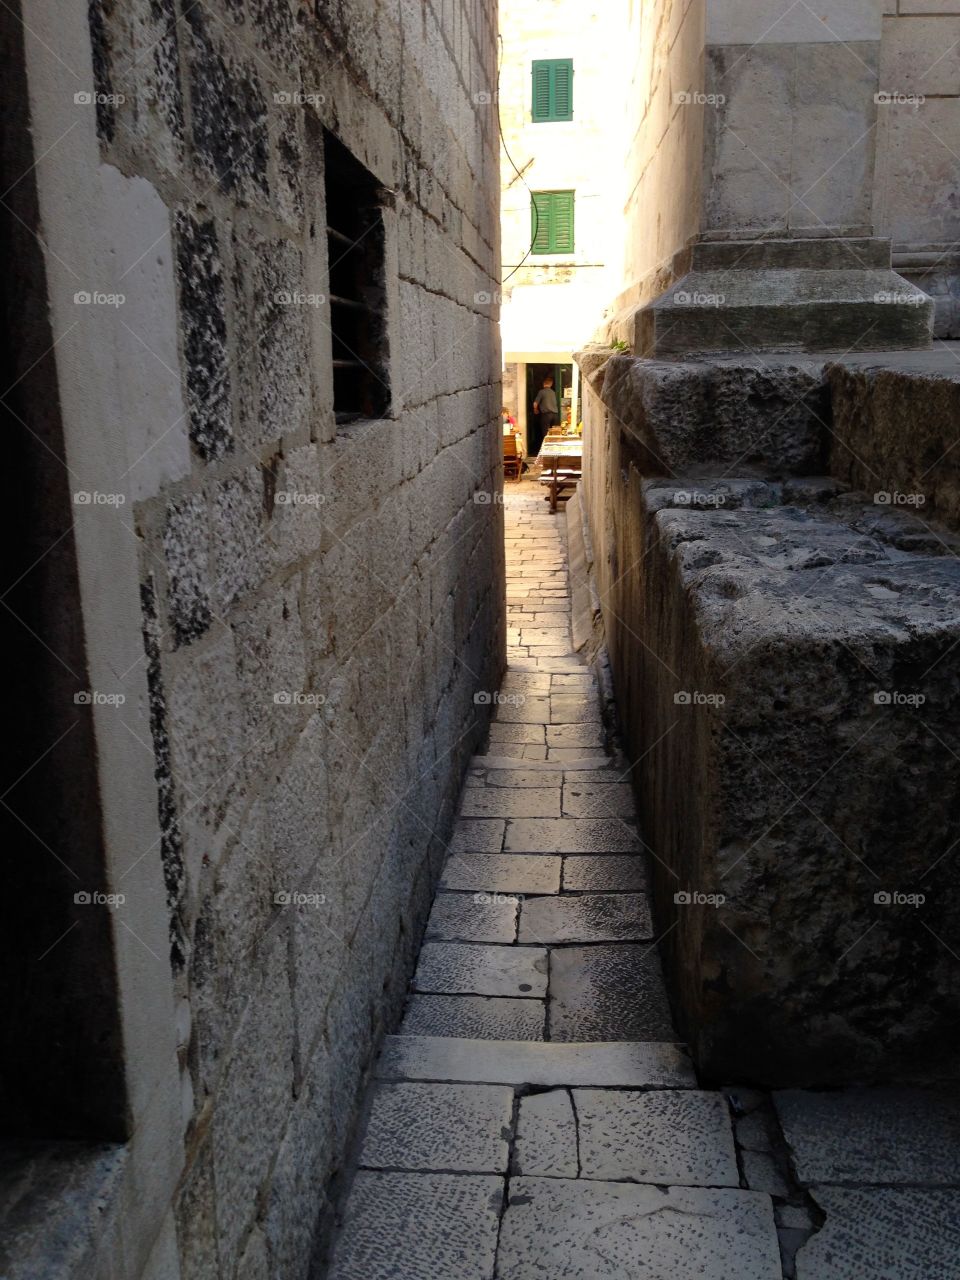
(561, 471)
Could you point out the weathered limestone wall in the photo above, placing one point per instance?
(661, 141)
(318, 603)
(918, 124)
(789, 145)
(783, 648)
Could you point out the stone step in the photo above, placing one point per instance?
(605, 1065)
(807, 310)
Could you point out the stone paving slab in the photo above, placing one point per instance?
(500, 731)
(503, 873)
(546, 1143)
(608, 992)
(579, 757)
(598, 800)
(622, 873)
(570, 835)
(595, 917)
(573, 708)
(474, 1017)
(574, 735)
(882, 1233)
(511, 802)
(459, 968)
(608, 1065)
(456, 1221)
(531, 710)
(512, 777)
(477, 835)
(612, 775)
(672, 1137)
(458, 1128)
(473, 917)
(557, 1229)
(872, 1135)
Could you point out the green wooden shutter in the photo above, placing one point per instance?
(540, 222)
(563, 90)
(563, 222)
(551, 222)
(541, 91)
(552, 90)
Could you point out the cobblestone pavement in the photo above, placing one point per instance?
(534, 1119)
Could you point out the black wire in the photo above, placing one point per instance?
(506, 151)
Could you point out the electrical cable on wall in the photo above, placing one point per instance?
(506, 151)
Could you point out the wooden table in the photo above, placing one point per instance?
(562, 461)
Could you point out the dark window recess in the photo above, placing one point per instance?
(355, 257)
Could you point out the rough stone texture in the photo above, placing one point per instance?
(895, 425)
(467, 917)
(795, 656)
(607, 993)
(320, 599)
(626, 873)
(502, 873)
(596, 917)
(681, 1137)
(584, 835)
(546, 1143)
(474, 1017)
(879, 1233)
(461, 1128)
(872, 1135)
(567, 1229)
(458, 968)
(610, 1065)
(456, 1227)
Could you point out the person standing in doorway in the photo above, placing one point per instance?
(545, 405)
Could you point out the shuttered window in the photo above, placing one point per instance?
(552, 90)
(551, 221)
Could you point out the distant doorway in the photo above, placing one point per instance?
(562, 375)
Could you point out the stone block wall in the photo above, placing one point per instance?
(780, 592)
(661, 142)
(319, 601)
(917, 130)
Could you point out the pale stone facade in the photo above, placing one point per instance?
(550, 301)
(297, 610)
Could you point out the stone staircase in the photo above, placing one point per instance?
(535, 1117)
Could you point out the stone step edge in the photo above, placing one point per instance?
(627, 1064)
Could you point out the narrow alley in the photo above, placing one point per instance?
(534, 1116)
